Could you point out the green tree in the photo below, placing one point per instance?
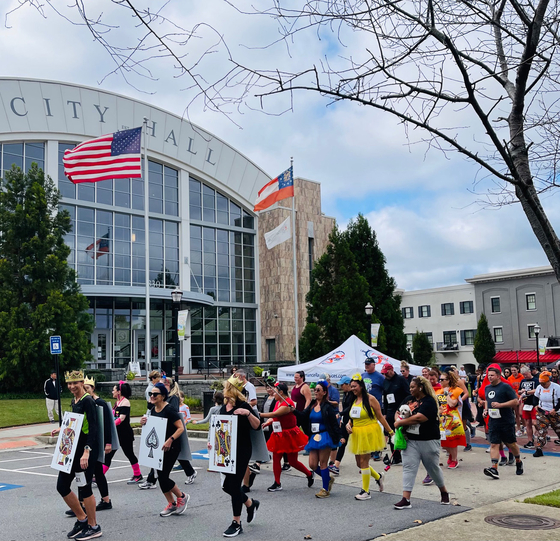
(38, 290)
(381, 287)
(484, 347)
(422, 350)
(311, 343)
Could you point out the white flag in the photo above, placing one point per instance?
(277, 236)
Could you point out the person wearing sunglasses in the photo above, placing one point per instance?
(154, 377)
(176, 500)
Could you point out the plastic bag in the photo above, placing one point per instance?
(399, 440)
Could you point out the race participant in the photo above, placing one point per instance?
(347, 399)
(395, 390)
(548, 396)
(514, 380)
(528, 411)
(373, 381)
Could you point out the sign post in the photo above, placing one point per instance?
(56, 350)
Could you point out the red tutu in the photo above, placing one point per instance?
(290, 440)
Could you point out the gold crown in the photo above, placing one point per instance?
(89, 381)
(74, 375)
(236, 382)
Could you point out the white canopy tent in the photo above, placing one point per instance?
(346, 360)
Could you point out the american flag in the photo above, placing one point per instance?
(99, 248)
(117, 155)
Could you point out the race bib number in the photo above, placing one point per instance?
(528, 407)
(494, 413)
(414, 429)
(315, 427)
(81, 479)
(391, 398)
(442, 435)
(276, 426)
(355, 412)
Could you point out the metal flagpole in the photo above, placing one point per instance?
(148, 338)
(296, 308)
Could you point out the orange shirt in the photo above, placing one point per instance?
(515, 381)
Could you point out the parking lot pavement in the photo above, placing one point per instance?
(32, 509)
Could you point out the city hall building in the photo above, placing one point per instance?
(202, 231)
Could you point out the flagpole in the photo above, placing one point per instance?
(148, 338)
(296, 308)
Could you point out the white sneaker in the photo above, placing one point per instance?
(146, 485)
(191, 478)
(488, 450)
(363, 495)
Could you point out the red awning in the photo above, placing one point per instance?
(525, 357)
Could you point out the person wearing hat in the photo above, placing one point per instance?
(87, 451)
(52, 391)
(548, 396)
(347, 399)
(395, 390)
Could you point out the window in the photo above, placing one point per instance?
(467, 337)
(450, 338)
(531, 301)
(22, 155)
(430, 337)
(466, 307)
(424, 311)
(531, 332)
(311, 250)
(498, 335)
(495, 302)
(409, 337)
(447, 309)
(408, 312)
(271, 349)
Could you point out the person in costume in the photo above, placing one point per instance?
(121, 411)
(320, 424)
(108, 421)
(87, 450)
(366, 436)
(177, 501)
(286, 437)
(235, 403)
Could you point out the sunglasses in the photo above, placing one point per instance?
(153, 394)
(443, 379)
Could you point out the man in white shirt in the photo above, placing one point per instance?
(249, 387)
(548, 396)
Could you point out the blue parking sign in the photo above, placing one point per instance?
(56, 345)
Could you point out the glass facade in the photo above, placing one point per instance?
(22, 155)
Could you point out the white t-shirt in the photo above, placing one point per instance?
(548, 398)
(251, 391)
(462, 374)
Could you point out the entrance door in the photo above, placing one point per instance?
(140, 349)
(101, 350)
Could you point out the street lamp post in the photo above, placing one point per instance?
(369, 312)
(176, 295)
(537, 332)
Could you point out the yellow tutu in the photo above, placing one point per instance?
(366, 439)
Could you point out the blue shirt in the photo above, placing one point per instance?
(374, 384)
(334, 396)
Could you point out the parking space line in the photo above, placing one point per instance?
(20, 459)
(29, 472)
(36, 453)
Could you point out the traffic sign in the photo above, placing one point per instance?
(56, 345)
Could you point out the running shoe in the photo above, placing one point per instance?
(492, 472)
(377, 456)
(427, 481)
(444, 498)
(488, 450)
(519, 433)
(334, 470)
(556, 442)
(191, 478)
(519, 468)
(322, 494)
(178, 467)
(252, 509)
(403, 504)
(511, 459)
(453, 465)
(538, 453)
(134, 480)
(331, 483)
(530, 445)
(91, 532)
(181, 504)
(363, 495)
(169, 510)
(78, 528)
(104, 506)
(468, 447)
(71, 513)
(255, 468)
(310, 480)
(146, 485)
(380, 483)
(275, 487)
(286, 467)
(234, 530)
(503, 461)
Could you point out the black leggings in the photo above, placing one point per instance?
(127, 446)
(101, 480)
(64, 481)
(233, 482)
(187, 467)
(169, 458)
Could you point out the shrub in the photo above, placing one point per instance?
(97, 375)
(130, 376)
(257, 370)
(217, 385)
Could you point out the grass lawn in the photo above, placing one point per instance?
(552, 499)
(31, 411)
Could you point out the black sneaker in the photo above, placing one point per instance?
(103, 505)
(286, 467)
(529, 445)
(556, 442)
(311, 480)
(245, 489)
(255, 468)
(511, 459)
(468, 447)
(444, 498)
(233, 530)
(403, 504)
(135, 480)
(252, 509)
(519, 468)
(78, 528)
(71, 513)
(386, 460)
(91, 532)
(492, 472)
(503, 461)
(538, 453)
(275, 487)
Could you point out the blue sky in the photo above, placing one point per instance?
(428, 223)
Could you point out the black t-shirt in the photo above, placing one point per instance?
(172, 417)
(395, 390)
(427, 406)
(500, 393)
(244, 446)
(528, 385)
(88, 436)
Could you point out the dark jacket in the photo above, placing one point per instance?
(347, 401)
(52, 390)
(329, 420)
(399, 388)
